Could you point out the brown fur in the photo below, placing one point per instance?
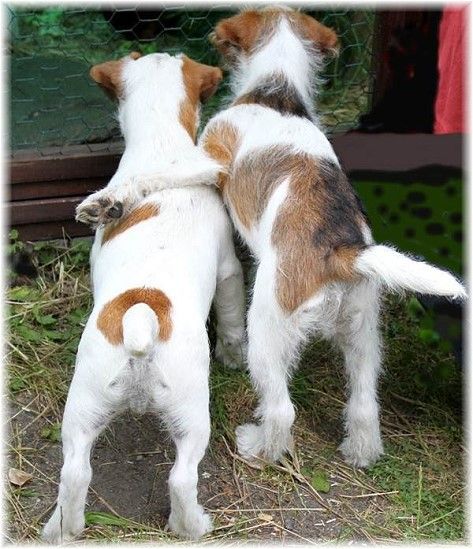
(139, 214)
(221, 144)
(239, 33)
(245, 32)
(317, 232)
(109, 75)
(200, 82)
(322, 37)
(109, 321)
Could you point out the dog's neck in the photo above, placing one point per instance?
(154, 135)
(284, 56)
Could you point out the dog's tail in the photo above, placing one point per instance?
(140, 330)
(398, 272)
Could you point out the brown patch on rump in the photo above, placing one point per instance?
(142, 213)
(221, 143)
(109, 321)
(200, 82)
(317, 231)
(108, 75)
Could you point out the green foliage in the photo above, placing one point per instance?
(320, 482)
(52, 432)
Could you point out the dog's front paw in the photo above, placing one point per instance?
(100, 208)
(231, 353)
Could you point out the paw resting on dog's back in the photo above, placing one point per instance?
(99, 210)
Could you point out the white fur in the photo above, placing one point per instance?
(399, 272)
(186, 252)
(272, 58)
(346, 313)
(140, 329)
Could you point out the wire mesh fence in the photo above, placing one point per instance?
(55, 104)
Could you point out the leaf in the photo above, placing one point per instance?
(320, 482)
(17, 477)
(414, 308)
(27, 333)
(428, 336)
(44, 320)
(105, 519)
(265, 517)
(52, 433)
(19, 293)
(16, 384)
(27, 493)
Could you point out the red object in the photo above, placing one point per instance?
(449, 105)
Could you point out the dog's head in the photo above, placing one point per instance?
(170, 81)
(243, 34)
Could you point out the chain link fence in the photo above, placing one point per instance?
(55, 104)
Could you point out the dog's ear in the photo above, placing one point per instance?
(108, 75)
(322, 37)
(237, 33)
(210, 78)
(200, 80)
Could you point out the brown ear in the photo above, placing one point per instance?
(210, 78)
(201, 81)
(323, 38)
(109, 74)
(237, 33)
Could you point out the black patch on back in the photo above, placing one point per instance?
(277, 93)
(342, 212)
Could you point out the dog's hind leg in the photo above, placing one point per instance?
(188, 418)
(229, 305)
(358, 335)
(84, 418)
(273, 342)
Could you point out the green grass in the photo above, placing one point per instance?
(414, 493)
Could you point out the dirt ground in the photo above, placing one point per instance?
(131, 463)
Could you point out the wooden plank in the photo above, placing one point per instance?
(52, 230)
(37, 211)
(63, 167)
(54, 189)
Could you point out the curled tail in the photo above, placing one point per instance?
(398, 272)
(140, 330)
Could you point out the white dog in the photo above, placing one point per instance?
(155, 272)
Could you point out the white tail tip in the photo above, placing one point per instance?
(140, 329)
(399, 272)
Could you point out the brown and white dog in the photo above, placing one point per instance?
(319, 270)
(155, 273)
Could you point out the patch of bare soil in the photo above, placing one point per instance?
(131, 463)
